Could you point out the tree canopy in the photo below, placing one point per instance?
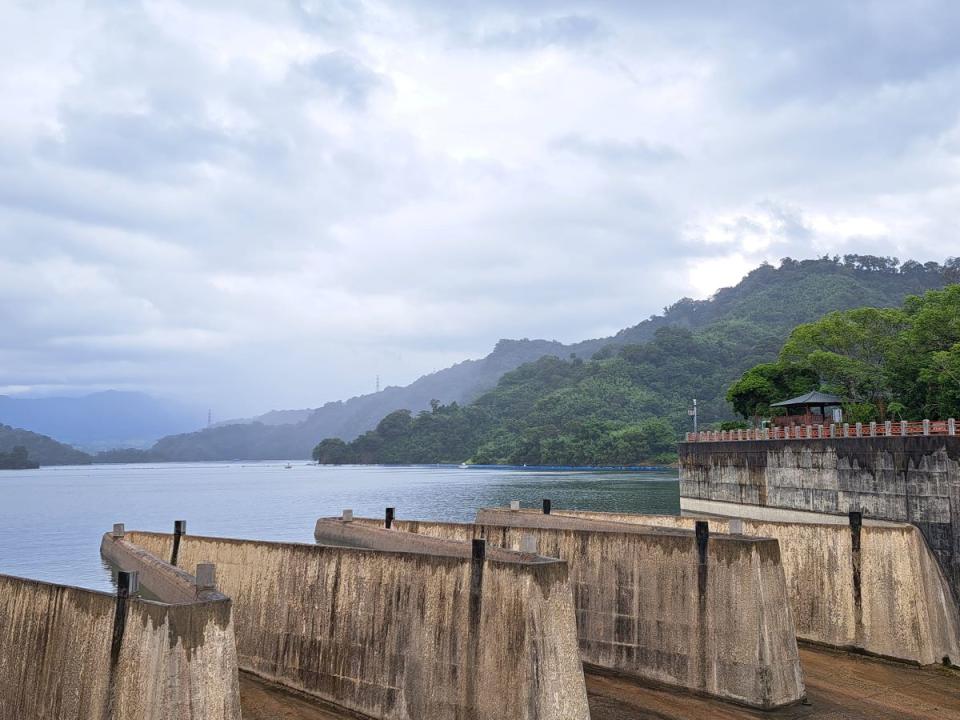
(894, 362)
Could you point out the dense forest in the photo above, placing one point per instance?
(17, 459)
(753, 317)
(627, 404)
(893, 363)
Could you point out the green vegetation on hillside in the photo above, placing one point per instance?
(628, 404)
(17, 459)
(41, 449)
(895, 363)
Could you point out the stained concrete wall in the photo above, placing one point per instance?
(908, 479)
(400, 635)
(889, 599)
(647, 607)
(58, 659)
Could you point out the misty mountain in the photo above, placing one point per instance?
(101, 420)
(274, 417)
(759, 312)
(40, 448)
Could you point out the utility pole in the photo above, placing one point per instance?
(693, 412)
(378, 383)
(209, 418)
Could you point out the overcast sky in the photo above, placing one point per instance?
(266, 204)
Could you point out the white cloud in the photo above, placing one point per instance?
(267, 204)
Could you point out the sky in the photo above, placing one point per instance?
(254, 205)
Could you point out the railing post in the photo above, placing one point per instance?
(888, 428)
(833, 430)
(951, 426)
(903, 428)
(846, 429)
(859, 429)
(926, 427)
(873, 429)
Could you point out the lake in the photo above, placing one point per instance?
(51, 519)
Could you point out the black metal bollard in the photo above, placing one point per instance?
(179, 529)
(546, 506)
(388, 518)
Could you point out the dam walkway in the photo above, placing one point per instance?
(840, 686)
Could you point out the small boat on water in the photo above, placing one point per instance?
(463, 466)
(287, 466)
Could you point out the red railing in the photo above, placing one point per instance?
(790, 420)
(825, 432)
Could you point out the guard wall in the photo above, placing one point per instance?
(888, 598)
(914, 479)
(646, 604)
(400, 634)
(59, 661)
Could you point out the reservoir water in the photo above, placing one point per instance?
(51, 519)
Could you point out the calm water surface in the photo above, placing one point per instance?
(51, 519)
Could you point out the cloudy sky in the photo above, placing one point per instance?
(266, 204)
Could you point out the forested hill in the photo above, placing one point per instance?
(628, 404)
(734, 329)
(40, 448)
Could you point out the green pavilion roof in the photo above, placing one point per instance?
(814, 397)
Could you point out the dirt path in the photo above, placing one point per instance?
(840, 686)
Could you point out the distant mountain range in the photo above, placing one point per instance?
(756, 314)
(102, 420)
(764, 306)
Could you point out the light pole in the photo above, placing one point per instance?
(693, 412)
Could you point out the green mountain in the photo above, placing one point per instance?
(888, 364)
(628, 403)
(40, 448)
(748, 322)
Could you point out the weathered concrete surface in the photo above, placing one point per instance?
(647, 607)
(168, 583)
(899, 606)
(173, 662)
(400, 635)
(908, 479)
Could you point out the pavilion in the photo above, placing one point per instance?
(809, 409)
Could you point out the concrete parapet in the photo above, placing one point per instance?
(72, 654)
(709, 614)
(652, 602)
(888, 598)
(439, 633)
(914, 479)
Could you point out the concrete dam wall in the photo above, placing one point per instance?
(72, 654)
(398, 634)
(653, 603)
(914, 479)
(888, 598)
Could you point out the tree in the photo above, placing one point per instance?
(762, 385)
(333, 451)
